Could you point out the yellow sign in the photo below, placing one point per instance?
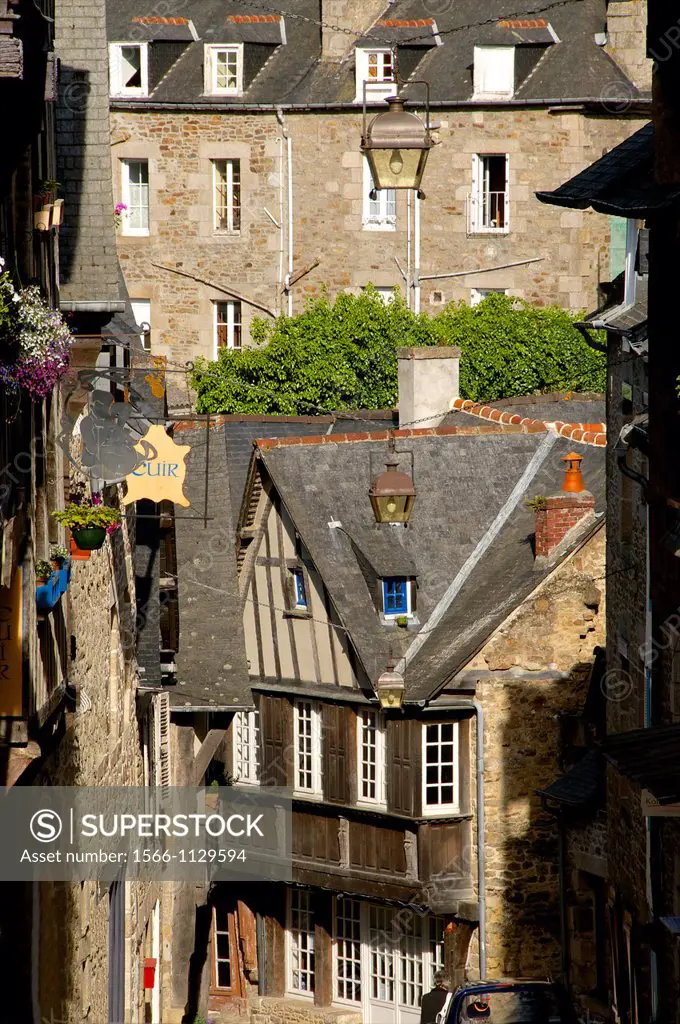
(11, 672)
(161, 476)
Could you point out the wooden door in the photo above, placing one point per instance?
(226, 975)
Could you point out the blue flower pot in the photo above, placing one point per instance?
(64, 575)
(47, 595)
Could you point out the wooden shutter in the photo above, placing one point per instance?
(403, 760)
(161, 742)
(276, 738)
(335, 752)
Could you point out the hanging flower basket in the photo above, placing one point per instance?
(90, 538)
(34, 340)
(88, 521)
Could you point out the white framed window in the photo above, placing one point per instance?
(141, 310)
(387, 294)
(228, 326)
(384, 958)
(372, 780)
(478, 295)
(379, 213)
(308, 748)
(227, 195)
(222, 966)
(489, 201)
(300, 943)
(348, 950)
(376, 69)
(441, 769)
(246, 746)
(129, 69)
(135, 196)
(494, 71)
(223, 68)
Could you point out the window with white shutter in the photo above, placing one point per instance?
(128, 69)
(380, 205)
(494, 71)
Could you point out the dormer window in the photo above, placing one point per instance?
(129, 69)
(224, 70)
(376, 69)
(397, 597)
(494, 72)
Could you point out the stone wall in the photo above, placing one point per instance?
(296, 1011)
(100, 747)
(328, 185)
(626, 28)
(533, 670)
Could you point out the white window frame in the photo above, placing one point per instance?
(126, 196)
(299, 900)
(232, 323)
(405, 955)
(307, 745)
(492, 63)
(210, 53)
(380, 87)
(478, 295)
(232, 195)
(478, 206)
(377, 748)
(453, 806)
(385, 217)
(246, 747)
(115, 69)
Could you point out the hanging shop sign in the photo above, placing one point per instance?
(160, 477)
(11, 672)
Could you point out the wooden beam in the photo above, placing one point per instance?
(206, 753)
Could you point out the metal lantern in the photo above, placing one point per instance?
(392, 494)
(396, 145)
(390, 687)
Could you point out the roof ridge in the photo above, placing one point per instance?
(526, 427)
(586, 433)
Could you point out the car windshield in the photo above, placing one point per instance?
(531, 1005)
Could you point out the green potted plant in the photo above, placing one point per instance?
(88, 521)
(58, 556)
(43, 571)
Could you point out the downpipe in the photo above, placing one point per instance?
(289, 168)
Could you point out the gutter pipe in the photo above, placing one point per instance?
(289, 168)
(250, 108)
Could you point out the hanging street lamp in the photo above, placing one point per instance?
(392, 494)
(390, 687)
(396, 144)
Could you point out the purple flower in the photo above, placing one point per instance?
(97, 498)
(112, 529)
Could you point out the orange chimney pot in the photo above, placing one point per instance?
(573, 481)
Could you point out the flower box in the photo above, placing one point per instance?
(48, 593)
(77, 554)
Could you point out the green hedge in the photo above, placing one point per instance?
(342, 355)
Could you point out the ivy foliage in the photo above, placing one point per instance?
(342, 355)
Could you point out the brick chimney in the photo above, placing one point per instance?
(564, 511)
(428, 381)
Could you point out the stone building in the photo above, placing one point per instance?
(497, 628)
(638, 870)
(71, 711)
(235, 149)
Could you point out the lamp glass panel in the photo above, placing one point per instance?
(397, 168)
(393, 508)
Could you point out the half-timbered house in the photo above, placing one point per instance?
(419, 842)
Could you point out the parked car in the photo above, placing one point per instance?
(507, 1001)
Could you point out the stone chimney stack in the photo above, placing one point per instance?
(356, 16)
(560, 513)
(428, 382)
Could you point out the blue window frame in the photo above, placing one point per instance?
(300, 591)
(395, 596)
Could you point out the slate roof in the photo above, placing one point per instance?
(619, 183)
(649, 757)
(211, 662)
(292, 74)
(581, 785)
(469, 539)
